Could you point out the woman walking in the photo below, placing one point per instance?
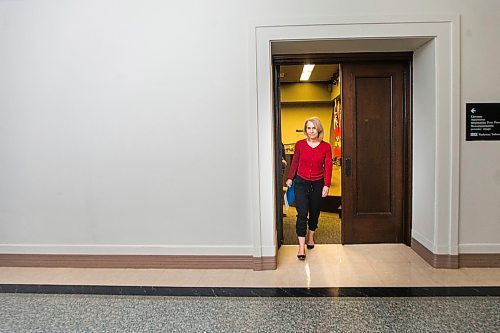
(311, 169)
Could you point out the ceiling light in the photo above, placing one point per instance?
(306, 72)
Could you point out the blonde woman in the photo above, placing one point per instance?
(311, 169)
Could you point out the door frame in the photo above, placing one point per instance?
(339, 58)
(435, 39)
(277, 154)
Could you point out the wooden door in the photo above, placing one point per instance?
(374, 99)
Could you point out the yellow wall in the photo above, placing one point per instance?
(307, 91)
(295, 109)
(293, 117)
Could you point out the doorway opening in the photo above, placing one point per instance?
(367, 121)
(436, 123)
(318, 96)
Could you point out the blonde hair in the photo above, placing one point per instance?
(317, 123)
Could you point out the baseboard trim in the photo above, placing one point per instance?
(435, 260)
(489, 260)
(485, 260)
(264, 263)
(137, 261)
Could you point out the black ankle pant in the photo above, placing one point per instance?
(307, 202)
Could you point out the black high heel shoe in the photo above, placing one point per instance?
(310, 246)
(301, 256)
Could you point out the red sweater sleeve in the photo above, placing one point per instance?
(328, 165)
(295, 161)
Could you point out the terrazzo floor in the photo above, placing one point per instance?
(94, 313)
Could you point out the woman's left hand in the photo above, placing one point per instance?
(325, 191)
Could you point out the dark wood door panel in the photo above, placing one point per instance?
(373, 147)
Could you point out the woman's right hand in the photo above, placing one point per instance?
(289, 182)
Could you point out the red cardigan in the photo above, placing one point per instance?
(312, 163)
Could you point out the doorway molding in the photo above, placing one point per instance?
(436, 115)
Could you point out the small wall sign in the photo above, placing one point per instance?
(482, 122)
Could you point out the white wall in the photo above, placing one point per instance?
(479, 228)
(106, 137)
(107, 144)
(424, 151)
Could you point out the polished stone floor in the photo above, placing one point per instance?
(380, 265)
(358, 288)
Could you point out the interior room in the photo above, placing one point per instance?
(302, 97)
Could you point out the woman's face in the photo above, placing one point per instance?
(312, 131)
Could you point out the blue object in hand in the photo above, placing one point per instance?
(290, 195)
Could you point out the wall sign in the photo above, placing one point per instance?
(482, 122)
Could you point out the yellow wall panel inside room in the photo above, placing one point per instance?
(304, 91)
(293, 117)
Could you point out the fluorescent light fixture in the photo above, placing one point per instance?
(306, 72)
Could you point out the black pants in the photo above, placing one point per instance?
(307, 202)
